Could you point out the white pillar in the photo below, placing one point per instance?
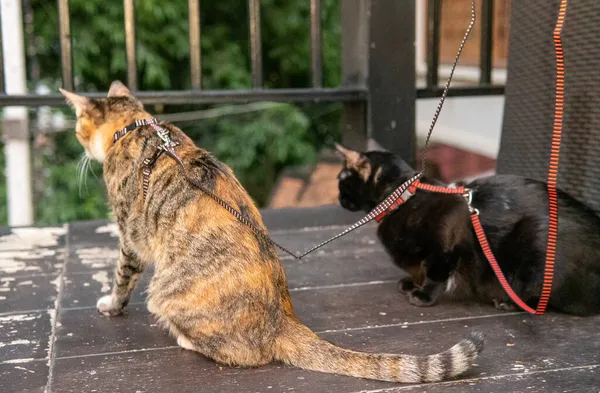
(420, 35)
(15, 123)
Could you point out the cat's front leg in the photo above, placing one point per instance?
(438, 267)
(427, 295)
(127, 274)
(406, 285)
(413, 277)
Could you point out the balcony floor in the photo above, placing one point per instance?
(52, 339)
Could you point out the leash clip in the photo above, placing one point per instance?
(163, 134)
(468, 195)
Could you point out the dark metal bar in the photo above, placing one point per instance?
(462, 91)
(195, 52)
(352, 94)
(355, 41)
(130, 44)
(255, 43)
(66, 58)
(348, 95)
(487, 43)
(392, 85)
(2, 87)
(434, 19)
(315, 39)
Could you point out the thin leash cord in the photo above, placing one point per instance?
(438, 110)
(234, 212)
(383, 206)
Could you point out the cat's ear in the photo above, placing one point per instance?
(79, 103)
(352, 157)
(118, 89)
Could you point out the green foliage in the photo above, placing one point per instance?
(257, 145)
(65, 197)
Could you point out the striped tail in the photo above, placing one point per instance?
(299, 346)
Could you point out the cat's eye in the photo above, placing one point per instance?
(344, 174)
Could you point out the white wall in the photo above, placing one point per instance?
(469, 123)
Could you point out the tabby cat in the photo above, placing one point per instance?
(432, 239)
(219, 288)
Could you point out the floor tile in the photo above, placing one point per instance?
(84, 332)
(584, 379)
(25, 336)
(28, 293)
(23, 377)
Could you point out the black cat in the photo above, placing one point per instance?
(431, 236)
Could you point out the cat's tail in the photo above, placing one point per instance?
(300, 347)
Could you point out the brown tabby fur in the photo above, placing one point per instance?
(218, 287)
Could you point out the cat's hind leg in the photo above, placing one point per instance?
(505, 305)
(127, 274)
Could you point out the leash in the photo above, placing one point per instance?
(551, 181)
(385, 205)
(168, 146)
(554, 158)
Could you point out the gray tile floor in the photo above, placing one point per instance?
(52, 339)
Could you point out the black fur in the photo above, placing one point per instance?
(432, 234)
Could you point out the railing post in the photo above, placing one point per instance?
(129, 11)
(255, 44)
(195, 50)
(355, 30)
(391, 82)
(487, 42)
(66, 55)
(15, 128)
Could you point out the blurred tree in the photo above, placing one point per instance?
(256, 145)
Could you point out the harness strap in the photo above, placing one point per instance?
(149, 165)
(440, 189)
(130, 127)
(410, 191)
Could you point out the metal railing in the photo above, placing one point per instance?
(484, 87)
(198, 96)
(378, 91)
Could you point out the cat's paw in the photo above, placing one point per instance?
(406, 285)
(421, 299)
(108, 307)
(185, 343)
(504, 306)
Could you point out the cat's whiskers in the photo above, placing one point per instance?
(91, 168)
(82, 168)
